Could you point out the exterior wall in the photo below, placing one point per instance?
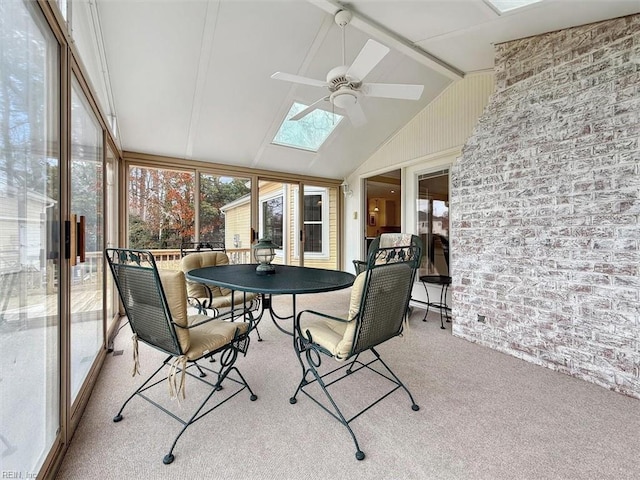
(332, 261)
(237, 220)
(433, 137)
(21, 234)
(290, 206)
(545, 203)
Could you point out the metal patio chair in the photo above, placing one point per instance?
(379, 300)
(388, 247)
(191, 247)
(155, 302)
(210, 297)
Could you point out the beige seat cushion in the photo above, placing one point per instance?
(221, 296)
(212, 335)
(337, 337)
(173, 284)
(200, 260)
(197, 341)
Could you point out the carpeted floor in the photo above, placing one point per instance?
(483, 415)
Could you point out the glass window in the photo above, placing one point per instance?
(313, 222)
(29, 238)
(161, 208)
(225, 215)
(433, 221)
(86, 189)
(308, 133)
(319, 226)
(273, 220)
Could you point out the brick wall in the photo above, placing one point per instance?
(545, 206)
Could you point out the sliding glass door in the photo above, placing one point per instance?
(305, 229)
(87, 239)
(276, 203)
(29, 239)
(433, 221)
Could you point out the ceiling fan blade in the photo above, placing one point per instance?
(289, 77)
(309, 109)
(369, 57)
(392, 90)
(356, 115)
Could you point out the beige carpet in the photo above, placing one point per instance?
(483, 415)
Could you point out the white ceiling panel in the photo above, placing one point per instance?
(420, 20)
(152, 50)
(191, 78)
(240, 98)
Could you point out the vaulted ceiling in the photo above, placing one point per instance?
(192, 78)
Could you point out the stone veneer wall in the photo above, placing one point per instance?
(545, 203)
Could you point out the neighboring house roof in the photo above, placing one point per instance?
(236, 203)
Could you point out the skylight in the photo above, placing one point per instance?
(308, 133)
(502, 6)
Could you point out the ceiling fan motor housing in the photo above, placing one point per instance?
(337, 78)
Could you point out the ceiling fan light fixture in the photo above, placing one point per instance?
(344, 100)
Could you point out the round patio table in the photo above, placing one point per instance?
(287, 280)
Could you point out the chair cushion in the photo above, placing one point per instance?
(173, 284)
(225, 300)
(212, 335)
(388, 240)
(337, 337)
(200, 260)
(393, 240)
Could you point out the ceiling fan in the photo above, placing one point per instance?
(345, 83)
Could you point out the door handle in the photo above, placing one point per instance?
(74, 239)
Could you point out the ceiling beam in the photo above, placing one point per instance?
(391, 39)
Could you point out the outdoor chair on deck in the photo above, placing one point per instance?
(377, 311)
(155, 302)
(191, 247)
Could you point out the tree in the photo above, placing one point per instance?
(216, 192)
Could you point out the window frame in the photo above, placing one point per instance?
(261, 230)
(324, 193)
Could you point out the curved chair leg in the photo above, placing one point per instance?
(140, 389)
(414, 406)
(227, 361)
(318, 378)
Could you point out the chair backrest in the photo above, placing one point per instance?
(153, 300)
(200, 260)
(388, 248)
(191, 247)
(385, 293)
(394, 247)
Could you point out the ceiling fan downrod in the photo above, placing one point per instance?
(342, 18)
